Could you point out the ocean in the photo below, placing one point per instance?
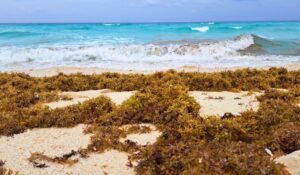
(149, 46)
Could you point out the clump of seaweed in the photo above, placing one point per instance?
(134, 129)
(5, 171)
(289, 137)
(39, 116)
(35, 158)
(223, 146)
(189, 144)
(2, 163)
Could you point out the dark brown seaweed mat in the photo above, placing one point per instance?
(189, 144)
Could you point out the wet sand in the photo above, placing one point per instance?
(48, 72)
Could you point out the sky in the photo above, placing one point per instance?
(59, 11)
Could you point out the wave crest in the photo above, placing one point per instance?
(150, 52)
(201, 29)
(111, 24)
(237, 27)
(233, 52)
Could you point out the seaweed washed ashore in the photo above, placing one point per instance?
(184, 141)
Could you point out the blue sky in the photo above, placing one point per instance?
(27, 11)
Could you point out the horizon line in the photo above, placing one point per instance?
(166, 22)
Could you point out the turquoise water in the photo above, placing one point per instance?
(149, 46)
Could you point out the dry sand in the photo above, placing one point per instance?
(292, 162)
(78, 97)
(219, 103)
(119, 97)
(51, 142)
(212, 103)
(55, 142)
(47, 72)
(142, 138)
(75, 98)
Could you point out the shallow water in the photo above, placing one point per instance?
(149, 46)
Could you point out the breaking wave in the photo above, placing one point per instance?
(111, 24)
(237, 27)
(201, 29)
(210, 53)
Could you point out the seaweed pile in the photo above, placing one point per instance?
(190, 144)
(4, 171)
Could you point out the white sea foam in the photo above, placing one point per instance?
(237, 27)
(201, 29)
(134, 56)
(114, 24)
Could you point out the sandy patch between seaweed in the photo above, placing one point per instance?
(73, 98)
(292, 162)
(212, 103)
(142, 138)
(219, 103)
(55, 142)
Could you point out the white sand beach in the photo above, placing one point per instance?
(55, 142)
(52, 71)
(74, 98)
(220, 103)
(292, 162)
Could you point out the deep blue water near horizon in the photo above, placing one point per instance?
(149, 45)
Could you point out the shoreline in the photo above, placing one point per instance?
(52, 71)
